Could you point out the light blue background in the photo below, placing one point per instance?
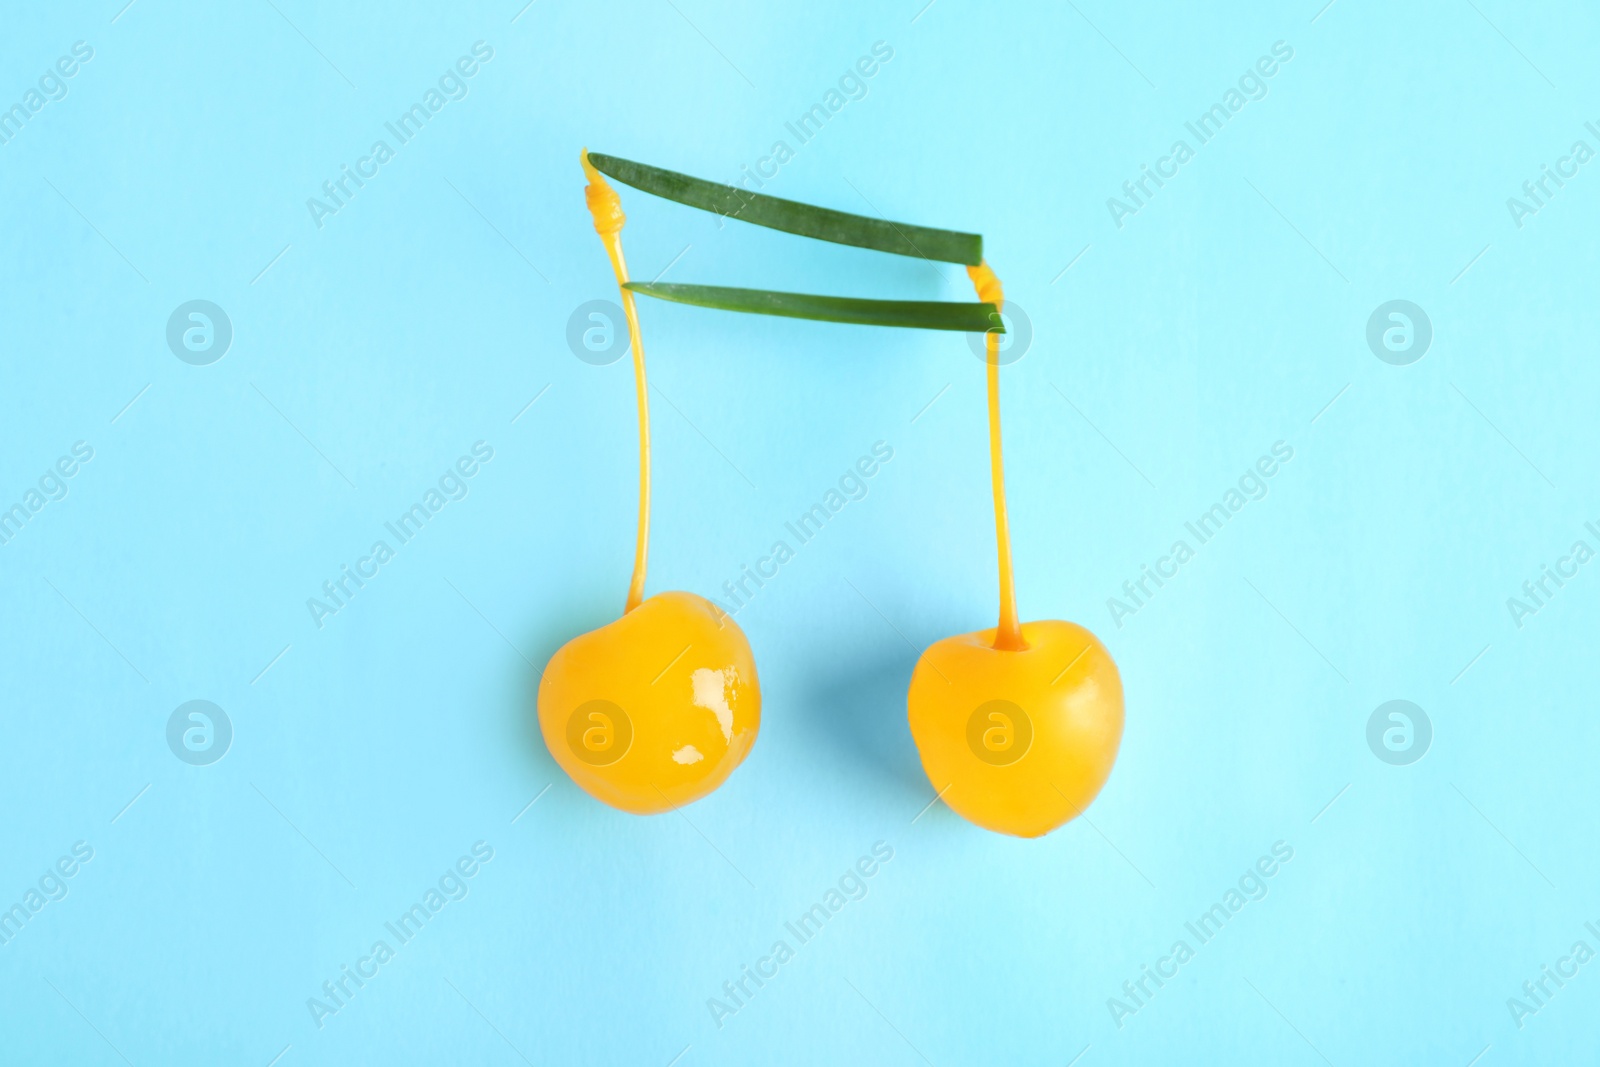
(370, 353)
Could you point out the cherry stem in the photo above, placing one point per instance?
(606, 207)
(1008, 634)
(641, 549)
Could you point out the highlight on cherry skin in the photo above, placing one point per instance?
(654, 710)
(1017, 741)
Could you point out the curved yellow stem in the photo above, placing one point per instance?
(1008, 634)
(606, 208)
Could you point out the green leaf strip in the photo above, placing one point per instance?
(917, 314)
(902, 239)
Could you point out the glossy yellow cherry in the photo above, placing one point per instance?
(655, 710)
(1017, 726)
(1017, 741)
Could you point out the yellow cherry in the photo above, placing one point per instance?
(1017, 726)
(1017, 741)
(655, 710)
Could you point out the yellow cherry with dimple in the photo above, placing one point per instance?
(1017, 740)
(656, 709)
(1017, 726)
